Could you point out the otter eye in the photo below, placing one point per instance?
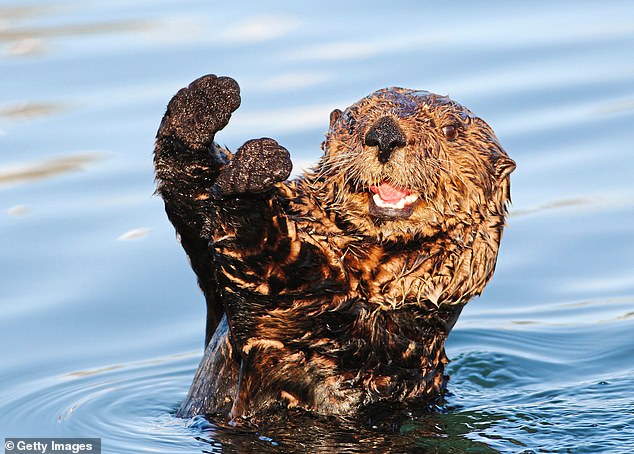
(450, 132)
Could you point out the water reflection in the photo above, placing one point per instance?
(19, 210)
(17, 12)
(135, 234)
(555, 204)
(29, 110)
(81, 29)
(49, 168)
(385, 430)
(24, 41)
(617, 107)
(25, 46)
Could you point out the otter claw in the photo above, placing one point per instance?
(256, 167)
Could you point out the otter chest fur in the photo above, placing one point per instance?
(336, 290)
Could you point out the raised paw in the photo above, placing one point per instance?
(200, 110)
(256, 167)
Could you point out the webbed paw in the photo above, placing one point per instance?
(256, 167)
(200, 110)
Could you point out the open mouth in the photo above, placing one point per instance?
(390, 202)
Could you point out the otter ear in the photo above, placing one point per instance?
(503, 167)
(334, 115)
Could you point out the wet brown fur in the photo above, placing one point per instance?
(316, 302)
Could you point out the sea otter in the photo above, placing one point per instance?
(336, 290)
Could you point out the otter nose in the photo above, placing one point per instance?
(387, 135)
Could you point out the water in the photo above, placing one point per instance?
(101, 322)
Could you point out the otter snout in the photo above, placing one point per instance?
(387, 135)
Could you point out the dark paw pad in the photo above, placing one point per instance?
(256, 167)
(203, 108)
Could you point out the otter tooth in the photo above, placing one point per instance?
(411, 199)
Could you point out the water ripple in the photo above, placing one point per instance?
(568, 418)
(122, 404)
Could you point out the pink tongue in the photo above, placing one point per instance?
(390, 193)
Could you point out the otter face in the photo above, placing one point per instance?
(412, 163)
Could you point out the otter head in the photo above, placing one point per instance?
(404, 164)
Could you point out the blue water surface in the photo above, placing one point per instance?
(101, 322)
